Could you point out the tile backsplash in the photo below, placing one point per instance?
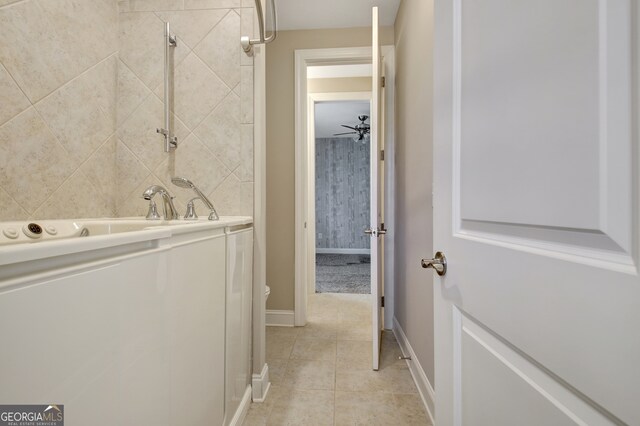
(81, 98)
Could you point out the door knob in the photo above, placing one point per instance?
(369, 231)
(439, 263)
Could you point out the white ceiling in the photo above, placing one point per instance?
(313, 14)
(330, 115)
(336, 71)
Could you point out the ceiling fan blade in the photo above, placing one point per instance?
(348, 127)
(347, 133)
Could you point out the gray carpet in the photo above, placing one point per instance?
(343, 273)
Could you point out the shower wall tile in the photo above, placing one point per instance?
(77, 197)
(33, 164)
(342, 193)
(46, 43)
(81, 114)
(142, 46)
(233, 197)
(190, 102)
(131, 92)
(139, 133)
(192, 25)
(244, 171)
(87, 26)
(195, 162)
(57, 108)
(7, 2)
(12, 100)
(211, 4)
(220, 51)
(33, 51)
(11, 210)
(246, 94)
(155, 5)
(220, 131)
(101, 171)
(130, 172)
(123, 6)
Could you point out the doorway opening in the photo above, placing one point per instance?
(309, 305)
(342, 194)
(321, 75)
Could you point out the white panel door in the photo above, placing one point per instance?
(375, 229)
(536, 209)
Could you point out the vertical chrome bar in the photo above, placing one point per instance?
(169, 139)
(167, 88)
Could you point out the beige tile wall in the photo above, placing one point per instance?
(58, 62)
(213, 103)
(81, 97)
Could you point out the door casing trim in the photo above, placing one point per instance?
(338, 56)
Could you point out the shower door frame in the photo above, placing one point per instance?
(337, 56)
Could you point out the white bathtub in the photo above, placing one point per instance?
(125, 326)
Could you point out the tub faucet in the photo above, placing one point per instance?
(170, 212)
(186, 183)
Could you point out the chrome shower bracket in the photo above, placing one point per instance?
(170, 141)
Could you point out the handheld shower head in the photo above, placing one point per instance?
(186, 183)
(182, 182)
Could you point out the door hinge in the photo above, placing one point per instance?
(382, 302)
(384, 81)
(382, 155)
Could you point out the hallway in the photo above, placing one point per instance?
(321, 373)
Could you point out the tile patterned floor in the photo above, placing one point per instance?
(321, 373)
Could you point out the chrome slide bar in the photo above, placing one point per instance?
(170, 141)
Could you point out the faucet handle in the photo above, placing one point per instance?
(152, 214)
(191, 210)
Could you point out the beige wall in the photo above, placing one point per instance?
(345, 84)
(414, 145)
(280, 147)
(81, 98)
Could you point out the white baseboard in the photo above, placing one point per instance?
(343, 251)
(417, 372)
(277, 318)
(243, 408)
(260, 385)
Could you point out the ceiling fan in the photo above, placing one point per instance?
(361, 130)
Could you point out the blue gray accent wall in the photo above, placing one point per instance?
(342, 193)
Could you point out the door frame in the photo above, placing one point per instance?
(310, 168)
(337, 56)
